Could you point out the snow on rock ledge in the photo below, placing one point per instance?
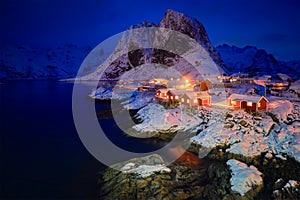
(243, 178)
(144, 170)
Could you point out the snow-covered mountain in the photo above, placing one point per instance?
(193, 28)
(127, 57)
(22, 62)
(252, 60)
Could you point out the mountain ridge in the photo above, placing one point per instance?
(255, 61)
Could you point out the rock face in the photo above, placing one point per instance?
(180, 182)
(288, 190)
(251, 60)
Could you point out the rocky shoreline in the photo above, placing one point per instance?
(186, 180)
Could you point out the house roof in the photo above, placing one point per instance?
(249, 98)
(284, 77)
(203, 94)
(163, 90)
(191, 94)
(295, 86)
(177, 92)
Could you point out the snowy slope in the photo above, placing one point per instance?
(251, 60)
(21, 62)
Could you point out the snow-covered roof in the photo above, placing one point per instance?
(243, 97)
(191, 94)
(178, 92)
(239, 74)
(295, 86)
(284, 77)
(163, 90)
(203, 94)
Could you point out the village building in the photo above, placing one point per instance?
(196, 99)
(161, 95)
(247, 102)
(284, 77)
(203, 85)
(184, 97)
(174, 96)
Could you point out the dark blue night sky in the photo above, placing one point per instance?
(273, 25)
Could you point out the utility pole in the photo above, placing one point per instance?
(265, 89)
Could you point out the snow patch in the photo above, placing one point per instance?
(281, 108)
(243, 178)
(145, 170)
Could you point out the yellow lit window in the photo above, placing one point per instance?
(188, 101)
(258, 105)
(182, 100)
(195, 100)
(171, 97)
(233, 102)
(176, 97)
(249, 103)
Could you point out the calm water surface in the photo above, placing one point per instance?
(41, 153)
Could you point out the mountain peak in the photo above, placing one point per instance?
(193, 28)
(144, 24)
(174, 14)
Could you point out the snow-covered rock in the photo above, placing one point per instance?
(244, 178)
(291, 190)
(102, 93)
(156, 118)
(279, 139)
(145, 170)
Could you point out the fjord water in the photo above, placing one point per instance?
(41, 153)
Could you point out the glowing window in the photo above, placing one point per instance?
(258, 105)
(188, 101)
(233, 102)
(182, 100)
(171, 97)
(195, 100)
(176, 97)
(249, 103)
